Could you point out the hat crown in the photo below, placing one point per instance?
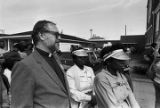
(117, 54)
(80, 52)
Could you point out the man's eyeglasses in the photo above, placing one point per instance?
(57, 34)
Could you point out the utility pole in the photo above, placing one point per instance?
(125, 30)
(91, 31)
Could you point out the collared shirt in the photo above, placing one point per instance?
(53, 62)
(80, 82)
(111, 91)
(7, 73)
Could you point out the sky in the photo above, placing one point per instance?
(107, 18)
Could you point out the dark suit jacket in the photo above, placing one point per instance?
(36, 85)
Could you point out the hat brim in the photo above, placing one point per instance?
(118, 54)
(80, 53)
(121, 56)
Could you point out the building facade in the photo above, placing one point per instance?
(136, 41)
(153, 22)
(8, 40)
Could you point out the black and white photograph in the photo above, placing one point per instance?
(79, 53)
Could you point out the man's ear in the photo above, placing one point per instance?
(41, 36)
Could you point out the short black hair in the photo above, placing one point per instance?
(10, 58)
(21, 46)
(39, 27)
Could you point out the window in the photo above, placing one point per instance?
(16, 40)
(66, 47)
(3, 44)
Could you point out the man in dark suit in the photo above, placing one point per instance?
(39, 81)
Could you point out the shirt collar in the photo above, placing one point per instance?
(43, 53)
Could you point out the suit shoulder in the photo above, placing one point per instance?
(27, 60)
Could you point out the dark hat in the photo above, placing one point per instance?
(20, 46)
(10, 58)
(12, 55)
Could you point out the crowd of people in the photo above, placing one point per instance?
(153, 59)
(38, 79)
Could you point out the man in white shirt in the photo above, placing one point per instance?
(80, 78)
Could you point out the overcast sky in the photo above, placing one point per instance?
(107, 18)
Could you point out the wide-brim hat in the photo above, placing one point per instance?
(80, 53)
(117, 54)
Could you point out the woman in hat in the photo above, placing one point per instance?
(80, 78)
(110, 85)
(10, 58)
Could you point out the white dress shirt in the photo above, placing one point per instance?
(80, 83)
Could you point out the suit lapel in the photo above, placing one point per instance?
(48, 69)
(66, 81)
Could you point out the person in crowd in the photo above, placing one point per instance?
(20, 47)
(80, 78)
(150, 53)
(155, 76)
(151, 58)
(110, 85)
(39, 81)
(4, 91)
(10, 58)
(29, 48)
(126, 71)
